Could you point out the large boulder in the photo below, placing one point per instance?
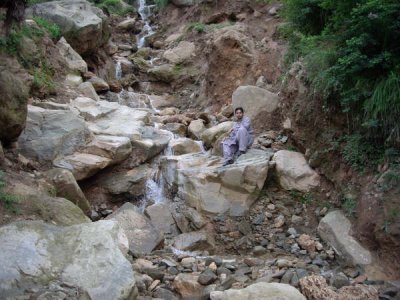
(143, 237)
(254, 100)
(82, 24)
(194, 241)
(151, 142)
(204, 184)
(196, 128)
(52, 133)
(161, 217)
(38, 259)
(116, 148)
(67, 187)
(14, 92)
(335, 230)
(181, 53)
(293, 171)
(129, 183)
(184, 146)
(74, 62)
(87, 90)
(124, 121)
(82, 165)
(260, 291)
(210, 135)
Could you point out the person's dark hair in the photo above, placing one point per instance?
(239, 108)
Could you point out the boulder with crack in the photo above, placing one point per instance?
(90, 258)
(207, 186)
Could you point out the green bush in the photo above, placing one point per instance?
(11, 43)
(361, 154)
(352, 55)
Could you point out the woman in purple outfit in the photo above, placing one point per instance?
(240, 137)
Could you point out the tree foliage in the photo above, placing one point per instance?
(352, 52)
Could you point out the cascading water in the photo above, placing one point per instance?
(144, 12)
(118, 70)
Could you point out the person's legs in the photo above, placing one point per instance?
(243, 139)
(229, 152)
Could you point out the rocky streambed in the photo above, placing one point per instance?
(123, 194)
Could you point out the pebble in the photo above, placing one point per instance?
(154, 285)
(207, 277)
(292, 231)
(271, 206)
(283, 263)
(259, 250)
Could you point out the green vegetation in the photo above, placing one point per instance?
(43, 78)
(52, 28)
(303, 198)
(161, 3)
(11, 43)
(361, 154)
(199, 27)
(116, 7)
(351, 52)
(6, 199)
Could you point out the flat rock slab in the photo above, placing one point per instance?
(194, 241)
(260, 291)
(207, 186)
(82, 165)
(91, 109)
(335, 230)
(142, 235)
(86, 257)
(116, 148)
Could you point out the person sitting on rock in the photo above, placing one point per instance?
(240, 137)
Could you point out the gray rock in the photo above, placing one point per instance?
(14, 88)
(67, 187)
(259, 250)
(87, 90)
(334, 229)
(52, 133)
(142, 235)
(75, 63)
(204, 184)
(82, 24)
(196, 240)
(339, 280)
(85, 256)
(254, 100)
(161, 217)
(164, 294)
(207, 277)
(195, 217)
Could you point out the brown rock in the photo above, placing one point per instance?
(316, 288)
(306, 243)
(188, 287)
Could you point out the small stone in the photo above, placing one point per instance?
(253, 261)
(279, 221)
(259, 250)
(244, 228)
(292, 231)
(213, 267)
(319, 246)
(339, 280)
(268, 215)
(259, 219)
(153, 285)
(287, 276)
(297, 219)
(207, 277)
(271, 206)
(283, 263)
(188, 261)
(306, 243)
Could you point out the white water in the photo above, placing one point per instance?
(145, 12)
(118, 70)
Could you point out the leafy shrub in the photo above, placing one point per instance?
(360, 153)
(199, 27)
(351, 50)
(114, 7)
(11, 43)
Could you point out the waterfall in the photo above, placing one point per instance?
(118, 70)
(144, 12)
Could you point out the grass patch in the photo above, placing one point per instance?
(52, 28)
(115, 7)
(161, 3)
(7, 199)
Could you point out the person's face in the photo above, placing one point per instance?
(239, 114)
